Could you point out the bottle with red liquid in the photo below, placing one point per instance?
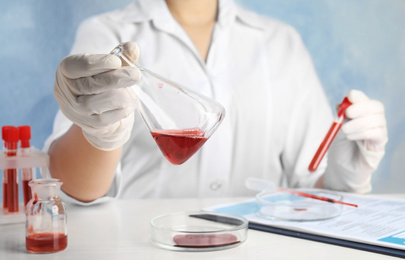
(46, 226)
(179, 119)
(25, 150)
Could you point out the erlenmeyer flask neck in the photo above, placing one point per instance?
(119, 51)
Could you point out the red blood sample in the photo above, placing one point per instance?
(202, 240)
(333, 130)
(46, 242)
(4, 195)
(12, 190)
(179, 145)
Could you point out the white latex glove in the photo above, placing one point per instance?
(359, 146)
(94, 92)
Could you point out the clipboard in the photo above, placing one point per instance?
(384, 216)
(329, 240)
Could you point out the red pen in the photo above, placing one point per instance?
(333, 130)
(257, 184)
(316, 197)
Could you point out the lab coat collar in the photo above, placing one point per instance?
(148, 10)
(229, 12)
(157, 11)
(141, 11)
(249, 18)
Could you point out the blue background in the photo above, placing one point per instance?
(354, 44)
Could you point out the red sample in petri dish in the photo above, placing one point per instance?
(198, 231)
(46, 242)
(204, 240)
(179, 145)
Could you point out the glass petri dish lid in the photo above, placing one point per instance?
(290, 207)
(198, 231)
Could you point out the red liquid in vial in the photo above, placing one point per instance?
(12, 190)
(179, 145)
(5, 195)
(333, 130)
(46, 242)
(26, 191)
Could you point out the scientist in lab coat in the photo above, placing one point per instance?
(258, 68)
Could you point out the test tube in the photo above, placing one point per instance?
(5, 181)
(333, 130)
(10, 137)
(25, 150)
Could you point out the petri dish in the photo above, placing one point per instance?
(286, 206)
(198, 231)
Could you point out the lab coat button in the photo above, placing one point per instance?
(215, 186)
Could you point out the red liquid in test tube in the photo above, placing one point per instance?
(333, 130)
(5, 181)
(5, 191)
(179, 145)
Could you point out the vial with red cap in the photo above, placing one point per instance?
(10, 136)
(330, 136)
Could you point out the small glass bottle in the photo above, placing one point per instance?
(46, 229)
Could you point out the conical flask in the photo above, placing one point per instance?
(180, 120)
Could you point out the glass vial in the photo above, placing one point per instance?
(46, 227)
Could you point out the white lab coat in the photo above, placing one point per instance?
(257, 68)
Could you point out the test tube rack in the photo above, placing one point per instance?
(38, 161)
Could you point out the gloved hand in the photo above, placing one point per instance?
(359, 147)
(94, 92)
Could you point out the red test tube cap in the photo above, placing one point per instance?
(343, 106)
(25, 135)
(10, 134)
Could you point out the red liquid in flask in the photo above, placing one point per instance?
(46, 242)
(179, 145)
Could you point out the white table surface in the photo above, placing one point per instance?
(120, 230)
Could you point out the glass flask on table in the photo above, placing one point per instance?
(179, 119)
(46, 227)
